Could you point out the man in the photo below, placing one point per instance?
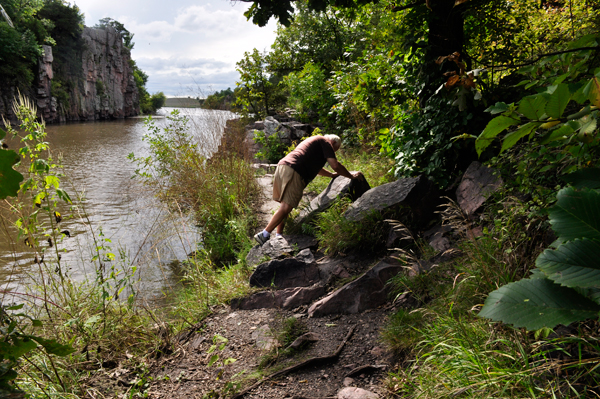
(296, 170)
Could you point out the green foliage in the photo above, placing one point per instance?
(273, 148)
(309, 94)
(157, 100)
(556, 292)
(421, 141)
(67, 21)
(10, 179)
(564, 85)
(259, 91)
(100, 89)
(19, 52)
(223, 100)
(337, 235)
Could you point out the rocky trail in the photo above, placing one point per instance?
(333, 309)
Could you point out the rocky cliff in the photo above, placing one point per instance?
(104, 88)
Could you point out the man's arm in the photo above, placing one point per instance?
(341, 169)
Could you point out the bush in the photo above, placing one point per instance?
(273, 149)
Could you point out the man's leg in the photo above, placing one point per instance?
(278, 219)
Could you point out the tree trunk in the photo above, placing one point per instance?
(445, 37)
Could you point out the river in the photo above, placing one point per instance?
(140, 229)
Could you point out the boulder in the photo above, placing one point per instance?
(288, 298)
(416, 193)
(285, 273)
(279, 247)
(356, 393)
(338, 187)
(271, 126)
(436, 237)
(367, 292)
(476, 185)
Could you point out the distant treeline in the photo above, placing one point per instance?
(224, 99)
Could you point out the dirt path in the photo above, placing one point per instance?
(246, 338)
(268, 206)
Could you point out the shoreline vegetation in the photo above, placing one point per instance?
(476, 326)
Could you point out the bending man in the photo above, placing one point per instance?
(296, 170)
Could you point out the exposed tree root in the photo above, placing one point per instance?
(313, 361)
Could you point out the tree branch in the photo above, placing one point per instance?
(509, 66)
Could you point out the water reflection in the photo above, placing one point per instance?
(140, 229)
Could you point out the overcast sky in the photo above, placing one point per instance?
(186, 47)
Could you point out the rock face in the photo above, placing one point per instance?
(103, 89)
(366, 292)
(476, 185)
(415, 192)
(338, 187)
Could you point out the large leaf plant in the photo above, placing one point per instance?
(565, 285)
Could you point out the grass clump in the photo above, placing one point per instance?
(336, 234)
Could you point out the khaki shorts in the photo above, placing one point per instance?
(288, 186)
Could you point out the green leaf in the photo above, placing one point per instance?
(533, 107)
(16, 347)
(15, 307)
(537, 303)
(10, 179)
(493, 128)
(584, 178)
(53, 347)
(563, 132)
(513, 137)
(573, 264)
(2, 133)
(592, 91)
(212, 360)
(576, 214)
(558, 101)
(497, 108)
(229, 360)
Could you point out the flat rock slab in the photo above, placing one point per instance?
(367, 292)
(286, 273)
(288, 298)
(414, 192)
(279, 247)
(476, 185)
(338, 187)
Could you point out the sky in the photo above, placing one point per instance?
(187, 48)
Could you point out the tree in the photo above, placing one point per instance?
(260, 93)
(157, 100)
(67, 32)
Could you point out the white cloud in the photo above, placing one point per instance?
(195, 44)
